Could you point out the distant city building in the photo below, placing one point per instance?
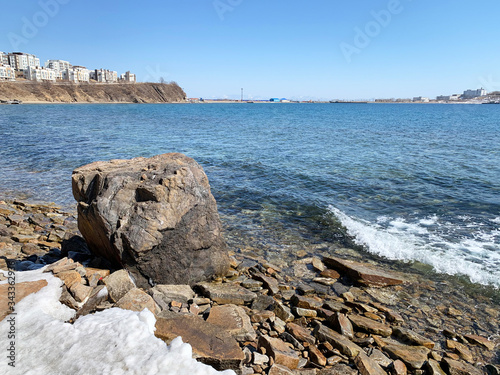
(4, 58)
(40, 74)
(447, 98)
(7, 73)
(471, 94)
(76, 74)
(128, 77)
(104, 76)
(21, 61)
(59, 66)
(275, 100)
(421, 99)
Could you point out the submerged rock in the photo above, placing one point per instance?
(154, 216)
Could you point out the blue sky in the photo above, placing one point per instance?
(319, 49)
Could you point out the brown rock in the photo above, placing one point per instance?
(80, 292)
(370, 326)
(412, 356)
(69, 278)
(17, 292)
(98, 295)
(270, 283)
(367, 366)
(279, 351)
(332, 274)
(283, 312)
(60, 262)
(226, 293)
(92, 271)
(342, 324)
(337, 340)
(433, 368)
(164, 294)
(165, 228)
(316, 356)
(68, 300)
(31, 249)
(234, 320)
(399, 368)
(339, 369)
(460, 349)
(311, 303)
(261, 316)
(137, 300)
(459, 368)
(482, 341)
(280, 370)
(304, 312)
(413, 337)
(118, 284)
(211, 345)
(362, 273)
(300, 333)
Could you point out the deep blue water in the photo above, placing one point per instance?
(410, 182)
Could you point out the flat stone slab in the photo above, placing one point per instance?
(118, 284)
(368, 366)
(21, 290)
(163, 294)
(337, 340)
(211, 345)
(370, 326)
(137, 300)
(459, 368)
(362, 273)
(225, 294)
(234, 320)
(412, 356)
(279, 351)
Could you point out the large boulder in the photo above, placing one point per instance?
(154, 216)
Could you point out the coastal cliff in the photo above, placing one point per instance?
(92, 93)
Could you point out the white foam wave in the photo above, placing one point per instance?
(396, 239)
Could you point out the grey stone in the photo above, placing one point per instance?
(156, 216)
(234, 320)
(226, 293)
(118, 284)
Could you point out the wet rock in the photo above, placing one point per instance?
(413, 337)
(226, 293)
(459, 368)
(370, 325)
(210, 344)
(165, 228)
(234, 320)
(318, 264)
(270, 283)
(300, 333)
(118, 284)
(279, 351)
(482, 341)
(362, 273)
(367, 366)
(337, 340)
(413, 356)
(460, 349)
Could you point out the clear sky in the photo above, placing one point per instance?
(319, 49)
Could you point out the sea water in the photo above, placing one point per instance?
(407, 182)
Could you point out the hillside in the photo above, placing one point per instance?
(28, 91)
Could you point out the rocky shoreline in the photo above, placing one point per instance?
(332, 316)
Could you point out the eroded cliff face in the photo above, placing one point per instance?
(92, 93)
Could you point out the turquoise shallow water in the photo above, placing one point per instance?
(408, 182)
